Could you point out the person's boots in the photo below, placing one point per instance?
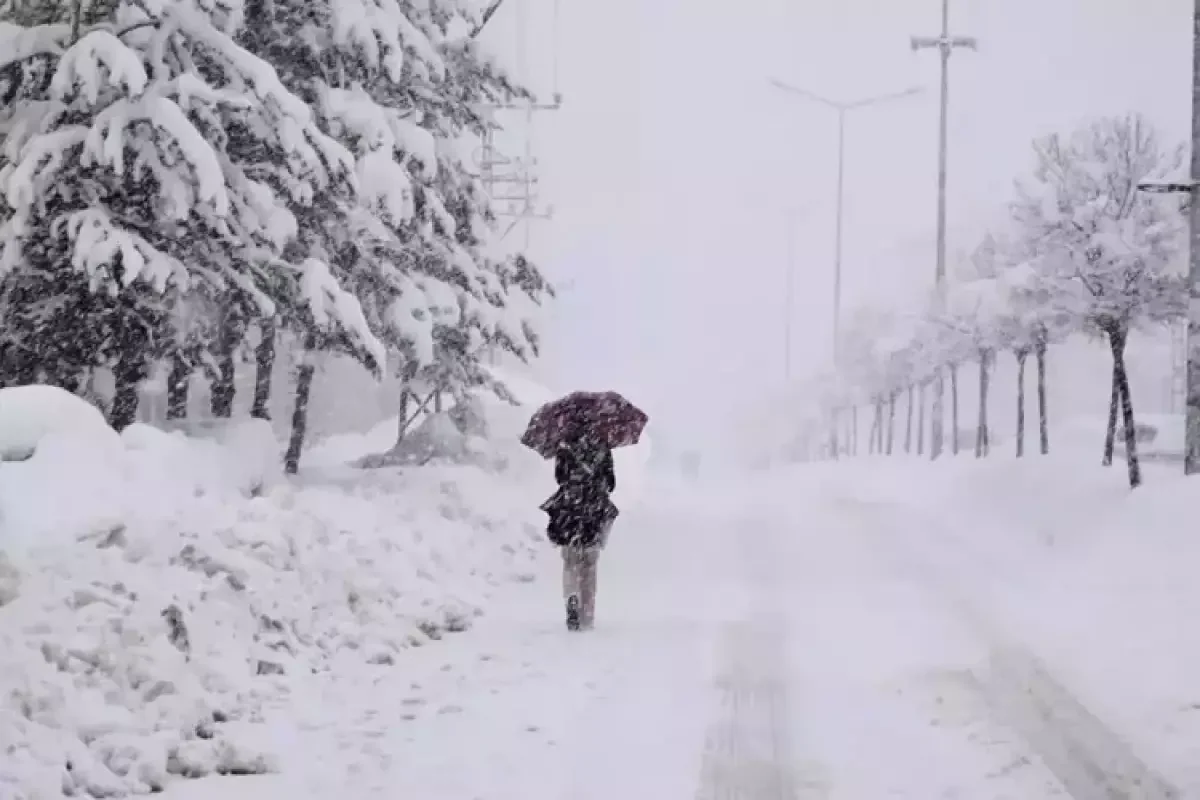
(573, 612)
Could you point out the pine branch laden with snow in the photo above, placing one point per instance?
(173, 150)
(399, 87)
(336, 311)
(156, 156)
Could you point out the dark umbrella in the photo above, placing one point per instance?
(606, 415)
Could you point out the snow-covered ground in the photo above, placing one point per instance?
(1060, 556)
(832, 632)
(165, 600)
(874, 628)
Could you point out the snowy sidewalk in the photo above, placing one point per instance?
(518, 707)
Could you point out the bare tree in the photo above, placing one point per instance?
(1104, 243)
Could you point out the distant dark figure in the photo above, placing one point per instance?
(581, 515)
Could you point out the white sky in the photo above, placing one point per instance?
(673, 164)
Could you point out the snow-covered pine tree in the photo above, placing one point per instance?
(148, 161)
(455, 223)
(403, 86)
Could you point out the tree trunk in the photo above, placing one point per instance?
(981, 425)
(304, 379)
(833, 434)
(1117, 341)
(874, 432)
(908, 425)
(937, 416)
(223, 387)
(921, 419)
(264, 365)
(891, 423)
(1043, 423)
(883, 404)
(879, 425)
(178, 383)
(402, 425)
(1110, 432)
(954, 406)
(128, 373)
(1021, 356)
(854, 430)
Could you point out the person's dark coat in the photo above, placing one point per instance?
(582, 508)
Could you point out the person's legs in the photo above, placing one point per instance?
(572, 556)
(589, 562)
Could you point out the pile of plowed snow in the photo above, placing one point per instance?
(161, 595)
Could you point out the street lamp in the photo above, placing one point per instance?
(841, 108)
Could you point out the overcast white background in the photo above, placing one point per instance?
(674, 166)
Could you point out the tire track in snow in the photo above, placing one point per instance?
(1087, 756)
(748, 751)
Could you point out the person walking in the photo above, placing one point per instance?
(579, 431)
(581, 516)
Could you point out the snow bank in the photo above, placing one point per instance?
(162, 598)
(28, 414)
(1097, 579)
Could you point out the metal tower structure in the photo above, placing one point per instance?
(512, 183)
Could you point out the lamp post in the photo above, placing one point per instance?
(842, 108)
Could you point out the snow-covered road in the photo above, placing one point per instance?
(737, 655)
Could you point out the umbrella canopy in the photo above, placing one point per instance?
(607, 416)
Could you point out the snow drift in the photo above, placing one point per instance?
(161, 598)
(29, 414)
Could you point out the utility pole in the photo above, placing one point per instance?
(789, 295)
(519, 175)
(1178, 392)
(1191, 434)
(945, 44)
(841, 108)
(512, 184)
(519, 200)
(1191, 463)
